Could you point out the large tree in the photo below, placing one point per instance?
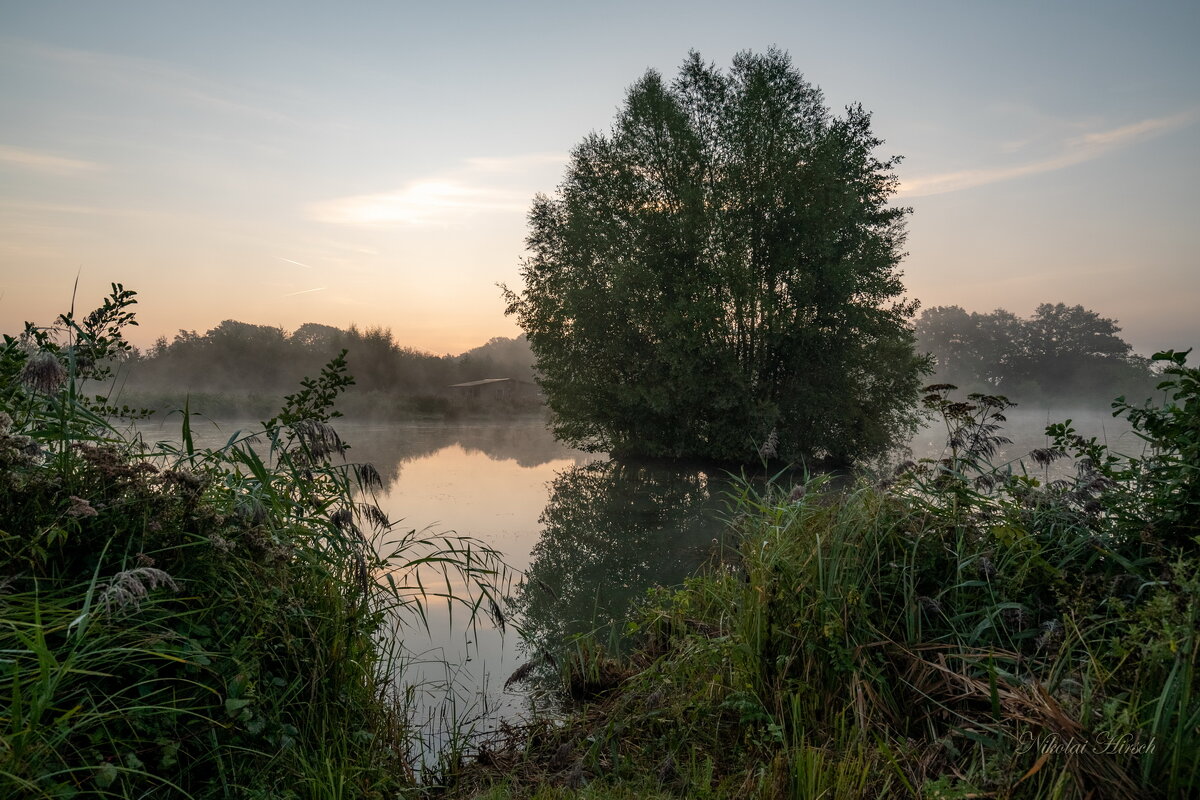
(721, 272)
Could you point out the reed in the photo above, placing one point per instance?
(958, 628)
(188, 622)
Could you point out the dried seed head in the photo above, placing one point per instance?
(18, 451)
(220, 543)
(368, 476)
(343, 518)
(375, 515)
(1045, 456)
(127, 589)
(43, 372)
(317, 439)
(770, 448)
(1050, 636)
(185, 479)
(80, 508)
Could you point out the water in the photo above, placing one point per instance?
(584, 536)
(1026, 426)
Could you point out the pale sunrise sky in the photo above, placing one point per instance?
(372, 162)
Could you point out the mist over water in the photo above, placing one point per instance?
(1026, 427)
(584, 536)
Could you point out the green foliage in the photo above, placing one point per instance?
(720, 272)
(1061, 352)
(198, 623)
(961, 629)
(1158, 492)
(240, 370)
(1172, 432)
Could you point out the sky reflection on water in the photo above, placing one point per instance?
(583, 535)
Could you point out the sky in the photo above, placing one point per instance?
(373, 162)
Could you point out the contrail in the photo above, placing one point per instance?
(304, 291)
(297, 263)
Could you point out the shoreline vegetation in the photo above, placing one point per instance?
(193, 622)
(956, 629)
(357, 406)
(242, 370)
(206, 622)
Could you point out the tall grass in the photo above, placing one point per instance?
(959, 629)
(198, 622)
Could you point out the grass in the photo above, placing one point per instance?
(958, 629)
(214, 623)
(202, 623)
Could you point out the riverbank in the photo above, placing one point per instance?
(201, 622)
(231, 621)
(950, 631)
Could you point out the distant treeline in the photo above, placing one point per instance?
(237, 367)
(1060, 353)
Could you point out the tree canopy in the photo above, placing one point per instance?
(718, 276)
(1060, 351)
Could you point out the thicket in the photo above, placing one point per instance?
(960, 628)
(198, 623)
(238, 369)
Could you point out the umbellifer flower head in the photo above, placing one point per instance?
(43, 372)
(80, 508)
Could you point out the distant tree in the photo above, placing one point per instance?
(1060, 351)
(319, 338)
(1062, 344)
(971, 350)
(951, 336)
(501, 357)
(721, 271)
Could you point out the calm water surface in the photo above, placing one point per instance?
(583, 535)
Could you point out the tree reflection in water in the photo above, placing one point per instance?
(611, 531)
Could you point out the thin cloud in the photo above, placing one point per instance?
(153, 78)
(419, 202)
(1076, 150)
(480, 185)
(40, 161)
(305, 291)
(1132, 133)
(520, 163)
(297, 263)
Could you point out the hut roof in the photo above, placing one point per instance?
(484, 382)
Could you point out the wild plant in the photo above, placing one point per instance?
(194, 622)
(938, 634)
